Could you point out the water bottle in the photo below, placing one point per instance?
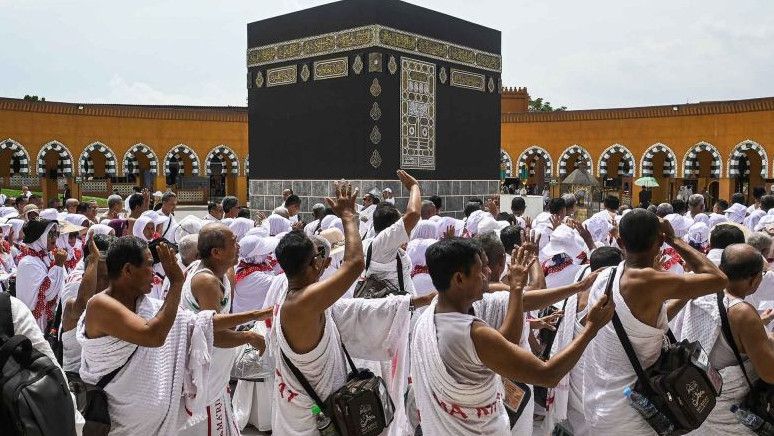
(324, 424)
(656, 419)
(752, 421)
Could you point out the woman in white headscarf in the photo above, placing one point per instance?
(241, 226)
(40, 278)
(423, 236)
(99, 229)
(72, 244)
(254, 273)
(144, 228)
(277, 224)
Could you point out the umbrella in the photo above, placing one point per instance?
(646, 182)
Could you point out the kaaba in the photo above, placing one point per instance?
(360, 88)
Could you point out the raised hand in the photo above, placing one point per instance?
(614, 231)
(60, 256)
(556, 221)
(493, 205)
(169, 263)
(527, 222)
(546, 322)
(344, 202)
(600, 314)
(449, 232)
(407, 180)
(667, 231)
(518, 270)
(93, 251)
(531, 241)
(298, 225)
(767, 316)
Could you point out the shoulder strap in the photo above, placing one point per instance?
(169, 224)
(304, 382)
(6, 318)
(726, 328)
(624, 338)
(399, 267)
(368, 257)
(109, 378)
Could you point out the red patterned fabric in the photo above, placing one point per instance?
(42, 307)
(77, 256)
(419, 269)
(556, 264)
(244, 269)
(584, 258)
(671, 258)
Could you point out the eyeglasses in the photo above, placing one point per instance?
(53, 235)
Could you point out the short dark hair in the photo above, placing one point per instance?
(510, 237)
(437, 201)
(385, 215)
(102, 242)
(492, 246)
(722, 204)
(471, 207)
(739, 263)
(212, 206)
(21, 199)
(555, 205)
(126, 249)
(135, 201)
(758, 192)
(229, 202)
(210, 237)
(767, 202)
(294, 252)
(612, 202)
(82, 207)
(136, 189)
(605, 256)
(34, 197)
(293, 200)
(505, 216)
(449, 256)
(738, 198)
(724, 235)
(639, 230)
(244, 213)
(518, 204)
(679, 206)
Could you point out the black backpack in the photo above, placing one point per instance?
(760, 399)
(373, 287)
(35, 399)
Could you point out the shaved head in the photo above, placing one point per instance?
(428, 209)
(211, 236)
(741, 262)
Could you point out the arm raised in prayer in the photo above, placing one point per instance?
(537, 279)
(513, 362)
(107, 316)
(542, 298)
(513, 323)
(312, 302)
(412, 214)
(752, 339)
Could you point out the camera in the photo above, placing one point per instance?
(153, 247)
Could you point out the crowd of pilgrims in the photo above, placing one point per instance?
(492, 298)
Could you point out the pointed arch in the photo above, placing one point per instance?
(691, 161)
(247, 165)
(627, 158)
(17, 152)
(670, 161)
(506, 164)
(739, 152)
(541, 152)
(225, 153)
(130, 159)
(565, 157)
(64, 165)
(86, 164)
(177, 152)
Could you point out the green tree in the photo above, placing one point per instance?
(539, 105)
(34, 98)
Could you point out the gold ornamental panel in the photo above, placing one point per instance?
(281, 76)
(330, 68)
(466, 79)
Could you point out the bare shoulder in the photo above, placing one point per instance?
(204, 282)
(744, 316)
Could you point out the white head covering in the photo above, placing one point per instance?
(562, 240)
(765, 222)
(736, 212)
(51, 214)
(139, 226)
(680, 223)
(698, 233)
(327, 221)
(8, 212)
(258, 231)
(599, 227)
(241, 226)
(416, 249)
(188, 226)
(425, 229)
(701, 218)
(277, 224)
(78, 219)
(471, 225)
(156, 217)
(752, 220)
(16, 226)
(444, 222)
(336, 223)
(715, 219)
(255, 249)
(489, 224)
(99, 229)
(41, 244)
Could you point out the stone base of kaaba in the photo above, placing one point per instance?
(265, 195)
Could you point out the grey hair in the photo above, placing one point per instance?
(319, 241)
(761, 242)
(114, 200)
(695, 200)
(318, 210)
(664, 209)
(167, 196)
(569, 200)
(281, 211)
(188, 248)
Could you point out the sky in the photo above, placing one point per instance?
(579, 54)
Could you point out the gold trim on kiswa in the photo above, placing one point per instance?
(281, 76)
(466, 79)
(330, 68)
(372, 36)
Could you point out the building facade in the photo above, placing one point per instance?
(92, 149)
(722, 146)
